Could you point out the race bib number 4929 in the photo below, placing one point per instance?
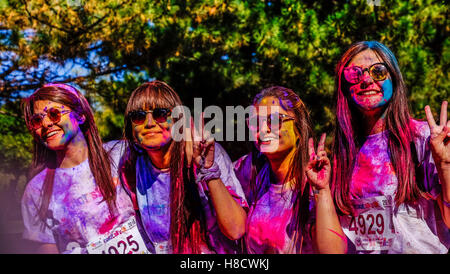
(371, 228)
(124, 239)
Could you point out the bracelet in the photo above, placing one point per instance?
(206, 174)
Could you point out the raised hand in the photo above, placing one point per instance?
(319, 166)
(440, 135)
(202, 145)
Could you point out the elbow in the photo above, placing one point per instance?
(234, 232)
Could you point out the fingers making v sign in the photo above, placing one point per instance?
(439, 135)
(319, 167)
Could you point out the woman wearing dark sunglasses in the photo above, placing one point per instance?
(73, 201)
(286, 181)
(391, 179)
(184, 207)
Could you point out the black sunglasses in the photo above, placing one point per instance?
(159, 115)
(377, 71)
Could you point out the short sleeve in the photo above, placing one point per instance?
(228, 176)
(34, 228)
(243, 170)
(115, 150)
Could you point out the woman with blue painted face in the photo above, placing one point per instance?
(185, 191)
(74, 202)
(391, 179)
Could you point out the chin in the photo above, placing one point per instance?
(54, 146)
(270, 149)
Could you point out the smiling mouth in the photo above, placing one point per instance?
(50, 134)
(267, 139)
(368, 92)
(150, 133)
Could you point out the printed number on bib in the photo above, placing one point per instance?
(367, 224)
(124, 239)
(371, 228)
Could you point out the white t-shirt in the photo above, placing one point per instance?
(76, 213)
(415, 229)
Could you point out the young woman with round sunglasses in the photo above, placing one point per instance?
(185, 192)
(286, 181)
(74, 200)
(391, 179)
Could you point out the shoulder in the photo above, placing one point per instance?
(115, 150)
(242, 161)
(420, 129)
(34, 186)
(219, 149)
(115, 147)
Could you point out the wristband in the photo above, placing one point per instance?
(206, 174)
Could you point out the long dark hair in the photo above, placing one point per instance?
(43, 157)
(187, 223)
(348, 132)
(289, 101)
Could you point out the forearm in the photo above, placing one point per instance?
(231, 217)
(444, 178)
(329, 237)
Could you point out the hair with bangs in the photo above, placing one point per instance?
(43, 157)
(291, 102)
(187, 222)
(348, 130)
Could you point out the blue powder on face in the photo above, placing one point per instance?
(387, 92)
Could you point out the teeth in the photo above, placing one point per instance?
(368, 93)
(268, 139)
(51, 134)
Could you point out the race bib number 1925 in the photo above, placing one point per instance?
(124, 239)
(371, 228)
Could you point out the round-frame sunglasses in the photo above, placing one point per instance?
(54, 114)
(355, 74)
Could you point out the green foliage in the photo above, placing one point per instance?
(222, 51)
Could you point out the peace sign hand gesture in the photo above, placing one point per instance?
(440, 135)
(202, 145)
(319, 166)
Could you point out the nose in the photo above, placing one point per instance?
(264, 128)
(149, 121)
(46, 122)
(366, 80)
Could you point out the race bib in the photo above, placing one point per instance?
(162, 248)
(371, 228)
(124, 239)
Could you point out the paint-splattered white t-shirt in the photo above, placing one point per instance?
(405, 229)
(270, 227)
(76, 214)
(153, 198)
